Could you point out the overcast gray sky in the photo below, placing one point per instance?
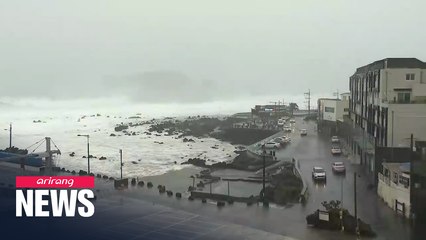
(198, 51)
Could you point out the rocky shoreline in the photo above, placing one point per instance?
(198, 127)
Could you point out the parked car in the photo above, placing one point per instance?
(270, 145)
(335, 150)
(280, 122)
(292, 121)
(335, 139)
(338, 167)
(318, 173)
(287, 129)
(303, 132)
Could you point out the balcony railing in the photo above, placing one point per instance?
(407, 102)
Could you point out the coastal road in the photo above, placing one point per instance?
(314, 150)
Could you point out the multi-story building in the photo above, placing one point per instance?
(387, 104)
(331, 112)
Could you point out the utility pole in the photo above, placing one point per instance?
(121, 164)
(308, 99)
(355, 206)
(412, 179)
(49, 158)
(228, 189)
(336, 93)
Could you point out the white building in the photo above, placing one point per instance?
(387, 104)
(394, 187)
(331, 111)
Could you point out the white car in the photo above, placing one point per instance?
(318, 173)
(338, 167)
(286, 139)
(287, 129)
(281, 122)
(280, 140)
(303, 132)
(335, 139)
(292, 121)
(335, 150)
(270, 145)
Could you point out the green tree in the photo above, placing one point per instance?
(292, 107)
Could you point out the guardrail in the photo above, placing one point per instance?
(304, 192)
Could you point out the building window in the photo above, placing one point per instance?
(403, 97)
(404, 181)
(395, 178)
(409, 76)
(346, 109)
(329, 109)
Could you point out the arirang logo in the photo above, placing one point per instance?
(50, 201)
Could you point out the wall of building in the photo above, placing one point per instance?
(407, 119)
(342, 109)
(396, 78)
(390, 192)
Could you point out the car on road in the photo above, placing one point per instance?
(270, 145)
(286, 139)
(338, 167)
(303, 132)
(335, 150)
(287, 129)
(292, 121)
(318, 173)
(281, 122)
(281, 140)
(335, 139)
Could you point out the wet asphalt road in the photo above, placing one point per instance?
(314, 150)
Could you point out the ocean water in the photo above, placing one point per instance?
(141, 155)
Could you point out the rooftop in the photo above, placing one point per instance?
(392, 63)
(398, 167)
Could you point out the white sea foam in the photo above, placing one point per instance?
(141, 156)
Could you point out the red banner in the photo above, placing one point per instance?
(55, 182)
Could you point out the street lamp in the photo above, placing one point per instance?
(88, 154)
(10, 135)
